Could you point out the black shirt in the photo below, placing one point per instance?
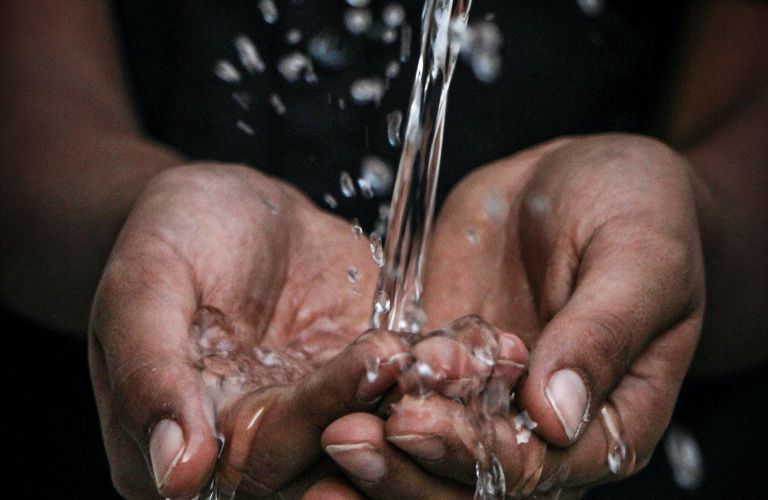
(563, 72)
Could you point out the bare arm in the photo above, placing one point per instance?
(719, 119)
(73, 156)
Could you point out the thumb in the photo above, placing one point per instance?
(139, 342)
(629, 289)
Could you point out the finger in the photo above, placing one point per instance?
(141, 321)
(275, 435)
(440, 436)
(633, 283)
(356, 442)
(125, 459)
(637, 412)
(332, 488)
(458, 361)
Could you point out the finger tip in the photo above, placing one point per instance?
(353, 428)
(534, 397)
(512, 348)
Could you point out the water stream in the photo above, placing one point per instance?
(398, 299)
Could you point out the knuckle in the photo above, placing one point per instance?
(608, 343)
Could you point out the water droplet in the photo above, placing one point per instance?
(486, 66)
(685, 457)
(414, 318)
(618, 455)
(353, 275)
(366, 90)
(358, 3)
(538, 204)
(269, 11)
(277, 103)
(591, 8)
(372, 366)
(493, 205)
(226, 71)
(365, 188)
(392, 70)
(481, 44)
(294, 65)
(377, 175)
(424, 370)
(406, 33)
(394, 123)
(389, 35)
(357, 228)
(357, 21)
(293, 36)
(270, 206)
(243, 99)
(377, 250)
(393, 15)
(330, 200)
(342, 104)
(382, 303)
(328, 50)
(524, 421)
(245, 128)
(249, 54)
(347, 185)
(472, 235)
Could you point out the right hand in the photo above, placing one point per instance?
(226, 310)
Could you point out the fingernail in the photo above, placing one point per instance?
(166, 446)
(359, 459)
(569, 398)
(507, 346)
(426, 447)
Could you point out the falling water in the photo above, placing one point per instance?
(414, 194)
(398, 300)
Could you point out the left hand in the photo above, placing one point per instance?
(589, 250)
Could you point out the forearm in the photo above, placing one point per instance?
(64, 207)
(718, 118)
(732, 163)
(74, 159)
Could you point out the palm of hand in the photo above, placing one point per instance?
(237, 293)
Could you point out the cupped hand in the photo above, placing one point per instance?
(227, 323)
(588, 249)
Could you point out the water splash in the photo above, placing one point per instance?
(277, 103)
(347, 185)
(394, 123)
(393, 15)
(684, 457)
(377, 175)
(244, 127)
(367, 90)
(330, 200)
(410, 223)
(225, 71)
(392, 70)
(293, 36)
(269, 11)
(249, 54)
(358, 21)
(294, 65)
(414, 194)
(353, 275)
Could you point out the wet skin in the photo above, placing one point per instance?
(603, 285)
